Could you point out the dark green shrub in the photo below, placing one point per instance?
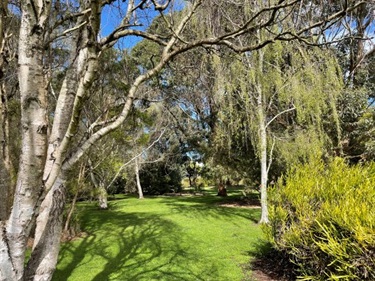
(323, 217)
(159, 178)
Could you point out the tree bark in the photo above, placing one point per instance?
(263, 165)
(102, 197)
(262, 146)
(101, 191)
(139, 186)
(49, 223)
(34, 133)
(43, 260)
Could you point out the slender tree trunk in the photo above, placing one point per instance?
(101, 191)
(139, 187)
(102, 196)
(263, 166)
(262, 146)
(66, 231)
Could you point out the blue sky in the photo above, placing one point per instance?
(112, 15)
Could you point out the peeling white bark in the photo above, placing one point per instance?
(34, 135)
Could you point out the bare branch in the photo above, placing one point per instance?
(132, 159)
(280, 113)
(111, 39)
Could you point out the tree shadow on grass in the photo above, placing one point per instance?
(130, 246)
(210, 206)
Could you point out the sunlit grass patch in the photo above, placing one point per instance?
(161, 238)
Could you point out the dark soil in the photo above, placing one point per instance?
(241, 202)
(273, 266)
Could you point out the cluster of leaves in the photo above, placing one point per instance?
(322, 217)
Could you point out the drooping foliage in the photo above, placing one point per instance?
(299, 88)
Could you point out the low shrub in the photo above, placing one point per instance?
(323, 217)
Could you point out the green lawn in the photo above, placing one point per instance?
(162, 238)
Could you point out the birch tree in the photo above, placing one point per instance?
(51, 145)
(273, 97)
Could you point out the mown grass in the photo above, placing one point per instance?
(161, 238)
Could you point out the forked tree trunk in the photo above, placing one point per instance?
(34, 125)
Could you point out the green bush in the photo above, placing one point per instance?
(323, 217)
(159, 178)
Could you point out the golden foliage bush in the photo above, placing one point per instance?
(323, 217)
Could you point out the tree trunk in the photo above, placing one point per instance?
(263, 167)
(101, 191)
(66, 232)
(45, 251)
(262, 146)
(34, 134)
(139, 187)
(102, 197)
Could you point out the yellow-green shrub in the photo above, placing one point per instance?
(323, 217)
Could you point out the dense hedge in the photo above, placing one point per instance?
(323, 217)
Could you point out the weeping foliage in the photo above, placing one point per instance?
(298, 88)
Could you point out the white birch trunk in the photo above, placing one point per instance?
(139, 187)
(34, 134)
(263, 165)
(101, 191)
(102, 197)
(45, 251)
(49, 223)
(262, 146)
